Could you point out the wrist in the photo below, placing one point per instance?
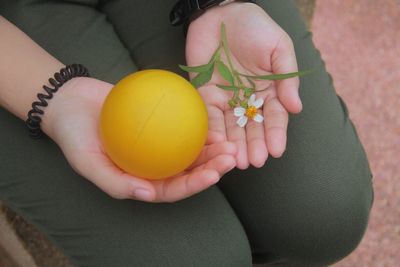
(36, 114)
(52, 112)
(226, 12)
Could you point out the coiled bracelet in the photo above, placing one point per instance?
(60, 78)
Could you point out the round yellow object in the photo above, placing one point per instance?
(153, 124)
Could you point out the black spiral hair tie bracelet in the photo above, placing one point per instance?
(60, 78)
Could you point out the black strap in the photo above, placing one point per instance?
(188, 10)
(61, 77)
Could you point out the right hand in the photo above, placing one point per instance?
(258, 46)
(71, 120)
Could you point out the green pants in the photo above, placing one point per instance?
(308, 208)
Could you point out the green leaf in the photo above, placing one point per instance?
(203, 77)
(225, 72)
(276, 76)
(228, 87)
(200, 68)
(204, 67)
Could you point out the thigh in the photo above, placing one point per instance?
(310, 206)
(90, 227)
(144, 28)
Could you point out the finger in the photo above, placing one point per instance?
(213, 150)
(276, 121)
(214, 137)
(214, 100)
(216, 121)
(112, 180)
(256, 145)
(283, 60)
(237, 134)
(194, 181)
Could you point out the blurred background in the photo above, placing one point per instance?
(359, 41)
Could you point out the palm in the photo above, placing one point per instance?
(78, 138)
(258, 46)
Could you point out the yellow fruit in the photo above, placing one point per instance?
(153, 124)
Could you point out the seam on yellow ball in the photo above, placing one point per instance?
(148, 118)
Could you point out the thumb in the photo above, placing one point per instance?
(112, 180)
(283, 60)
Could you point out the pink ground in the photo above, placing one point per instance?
(360, 43)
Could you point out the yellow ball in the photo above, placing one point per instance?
(153, 124)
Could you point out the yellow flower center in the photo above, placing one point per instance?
(251, 111)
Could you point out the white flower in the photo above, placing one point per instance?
(250, 112)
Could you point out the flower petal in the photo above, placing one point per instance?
(239, 111)
(258, 103)
(258, 118)
(242, 121)
(250, 102)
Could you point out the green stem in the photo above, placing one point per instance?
(233, 70)
(273, 77)
(236, 74)
(217, 53)
(225, 46)
(224, 42)
(235, 94)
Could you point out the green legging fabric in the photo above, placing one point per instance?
(308, 208)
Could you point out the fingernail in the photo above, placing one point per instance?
(212, 179)
(143, 194)
(299, 101)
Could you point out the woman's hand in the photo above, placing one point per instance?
(71, 120)
(258, 46)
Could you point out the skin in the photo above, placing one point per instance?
(71, 119)
(258, 46)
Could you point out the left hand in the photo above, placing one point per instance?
(258, 46)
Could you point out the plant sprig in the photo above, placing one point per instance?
(231, 75)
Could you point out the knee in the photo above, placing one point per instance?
(330, 233)
(319, 228)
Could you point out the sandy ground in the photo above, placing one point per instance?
(360, 43)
